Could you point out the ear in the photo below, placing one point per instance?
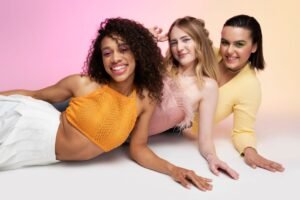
(254, 48)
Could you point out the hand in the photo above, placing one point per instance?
(216, 165)
(156, 32)
(187, 177)
(253, 159)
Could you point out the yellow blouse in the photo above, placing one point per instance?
(242, 97)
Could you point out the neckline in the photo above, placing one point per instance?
(117, 93)
(245, 68)
(187, 76)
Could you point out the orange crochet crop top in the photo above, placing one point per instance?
(105, 116)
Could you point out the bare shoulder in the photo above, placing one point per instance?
(72, 80)
(80, 84)
(145, 98)
(210, 84)
(145, 102)
(78, 79)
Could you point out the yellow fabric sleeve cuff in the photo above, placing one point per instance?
(242, 141)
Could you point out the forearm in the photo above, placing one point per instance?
(21, 92)
(207, 147)
(146, 158)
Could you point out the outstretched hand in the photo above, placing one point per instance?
(187, 177)
(216, 166)
(157, 33)
(253, 159)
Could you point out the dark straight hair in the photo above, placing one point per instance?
(244, 21)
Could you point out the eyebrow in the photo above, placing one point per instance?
(119, 45)
(233, 41)
(182, 37)
(122, 44)
(105, 48)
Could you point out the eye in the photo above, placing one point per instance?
(123, 48)
(185, 40)
(224, 42)
(173, 43)
(239, 44)
(106, 53)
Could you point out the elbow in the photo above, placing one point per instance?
(137, 153)
(134, 152)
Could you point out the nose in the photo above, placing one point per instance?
(230, 49)
(180, 46)
(116, 57)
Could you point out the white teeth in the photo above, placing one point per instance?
(117, 68)
(231, 58)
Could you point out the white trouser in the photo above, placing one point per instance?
(28, 129)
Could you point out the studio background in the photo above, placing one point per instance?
(42, 41)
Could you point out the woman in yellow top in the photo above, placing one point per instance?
(115, 96)
(240, 56)
(241, 53)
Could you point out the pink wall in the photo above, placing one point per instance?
(42, 41)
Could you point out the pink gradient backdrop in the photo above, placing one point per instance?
(42, 41)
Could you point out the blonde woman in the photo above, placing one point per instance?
(190, 86)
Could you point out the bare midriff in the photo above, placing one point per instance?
(71, 144)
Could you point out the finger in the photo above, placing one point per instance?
(252, 164)
(157, 29)
(232, 173)
(271, 166)
(204, 184)
(214, 170)
(200, 182)
(223, 167)
(184, 182)
(267, 167)
(207, 179)
(266, 164)
(163, 38)
(278, 167)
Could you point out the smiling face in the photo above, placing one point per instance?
(182, 47)
(118, 59)
(236, 47)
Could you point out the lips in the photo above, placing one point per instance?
(231, 59)
(181, 55)
(118, 69)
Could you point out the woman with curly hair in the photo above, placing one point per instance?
(109, 100)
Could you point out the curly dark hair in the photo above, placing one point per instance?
(149, 68)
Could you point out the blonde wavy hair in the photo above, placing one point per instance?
(206, 61)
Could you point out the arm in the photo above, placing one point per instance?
(141, 153)
(58, 92)
(207, 110)
(244, 116)
(243, 132)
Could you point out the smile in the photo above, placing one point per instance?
(118, 69)
(231, 58)
(182, 55)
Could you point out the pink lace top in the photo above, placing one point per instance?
(174, 110)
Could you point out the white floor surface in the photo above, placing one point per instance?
(115, 176)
